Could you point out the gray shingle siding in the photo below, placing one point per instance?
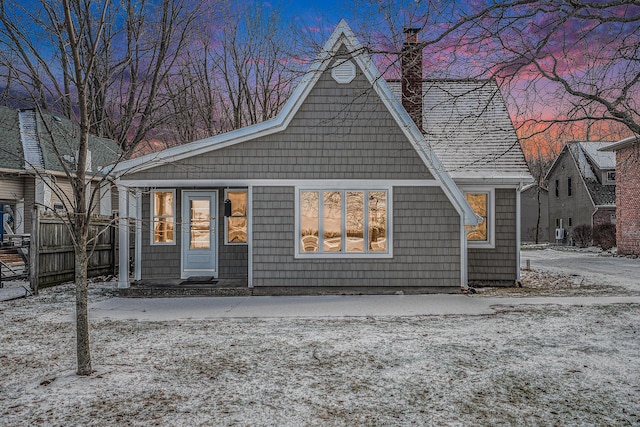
(498, 264)
(163, 261)
(340, 132)
(426, 244)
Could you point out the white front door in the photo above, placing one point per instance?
(199, 234)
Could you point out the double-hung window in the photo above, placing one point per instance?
(163, 208)
(482, 201)
(343, 223)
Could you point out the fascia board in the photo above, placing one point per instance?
(557, 159)
(623, 143)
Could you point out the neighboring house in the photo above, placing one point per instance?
(534, 214)
(627, 152)
(31, 173)
(341, 192)
(582, 189)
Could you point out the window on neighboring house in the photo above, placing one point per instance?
(557, 222)
(483, 204)
(163, 208)
(570, 222)
(557, 188)
(236, 224)
(344, 223)
(569, 186)
(611, 176)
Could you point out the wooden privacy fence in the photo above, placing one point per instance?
(52, 258)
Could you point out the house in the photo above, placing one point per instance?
(627, 177)
(341, 192)
(534, 214)
(582, 189)
(31, 172)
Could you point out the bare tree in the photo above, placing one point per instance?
(103, 66)
(564, 66)
(135, 55)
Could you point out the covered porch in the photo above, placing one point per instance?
(188, 240)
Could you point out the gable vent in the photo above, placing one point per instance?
(344, 72)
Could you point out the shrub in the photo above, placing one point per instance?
(604, 235)
(582, 235)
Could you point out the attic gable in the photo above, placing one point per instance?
(341, 41)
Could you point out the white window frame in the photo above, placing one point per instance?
(175, 219)
(608, 176)
(345, 254)
(490, 243)
(226, 219)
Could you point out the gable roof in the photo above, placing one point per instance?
(467, 124)
(341, 36)
(602, 159)
(601, 195)
(33, 141)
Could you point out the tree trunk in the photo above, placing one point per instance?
(82, 318)
(538, 219)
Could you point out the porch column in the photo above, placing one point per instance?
(518, 237)
(123, 237)
(137, 259)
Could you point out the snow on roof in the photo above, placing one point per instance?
(467, 124)
(602, 159)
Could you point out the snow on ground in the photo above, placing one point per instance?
(519, 365)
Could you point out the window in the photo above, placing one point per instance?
(236, 224)
(483, 204)
(163, 208)
(557, 188)
(570, 222)
(569, 186)
(334, 223)
(611, 176)
(557, 222)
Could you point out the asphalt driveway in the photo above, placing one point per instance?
(597, 268)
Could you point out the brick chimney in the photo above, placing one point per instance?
(412, 75)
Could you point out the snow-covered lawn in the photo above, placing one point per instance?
(521, 365)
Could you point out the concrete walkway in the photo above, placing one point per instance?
(158, 309)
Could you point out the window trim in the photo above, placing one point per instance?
(490, 243)
(153, 217)
(226, 219)
(343, 255)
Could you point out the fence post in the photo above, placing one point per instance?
(34, 250)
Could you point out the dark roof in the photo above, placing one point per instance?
(600, 194)
(11, 156)
(51, 136)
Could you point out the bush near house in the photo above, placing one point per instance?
(582, 235)
(604, 235)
